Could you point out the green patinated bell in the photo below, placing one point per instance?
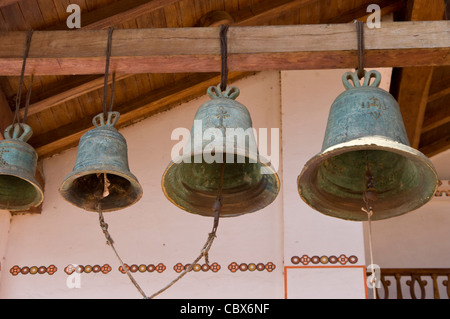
(222, 131)
(365, 136)
(19, 189)
(102, 150)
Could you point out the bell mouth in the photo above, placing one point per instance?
(193, 186)
(19, 194)
(334, 181)
(85, 189)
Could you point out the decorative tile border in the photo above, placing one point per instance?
(143, 268)
(233, 267)
(70, 269)
(342, 259)
(443, 189)
(214, 267)
(33, 270)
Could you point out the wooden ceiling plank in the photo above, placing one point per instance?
(436, 147)
(183, 50)
(117, 13)
(437, 114)
(413, 83)
(32, 14)
(266, 11)
(436, 140)
(15, 19)
(439, 94)
(4, 3)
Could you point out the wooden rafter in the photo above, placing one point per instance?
(179, 50)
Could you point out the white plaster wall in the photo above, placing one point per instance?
(153, 230)
(5, 218)
(441, 162)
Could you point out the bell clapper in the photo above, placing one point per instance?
(106, 184)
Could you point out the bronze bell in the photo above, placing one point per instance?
(366, 152)
(19, 189)
(101, 173)
(191, 181)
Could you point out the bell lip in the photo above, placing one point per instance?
(370, 143)
(32, 180)
(68, 180)
(200, 213)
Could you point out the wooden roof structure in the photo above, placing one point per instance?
(166, 52)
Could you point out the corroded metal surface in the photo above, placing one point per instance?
(191, 181)
(365, 131)
(102, 150)
(19, 189)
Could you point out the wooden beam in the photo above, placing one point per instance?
(412, 84)
(158, 101)
(243, 17)
(184, 50)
